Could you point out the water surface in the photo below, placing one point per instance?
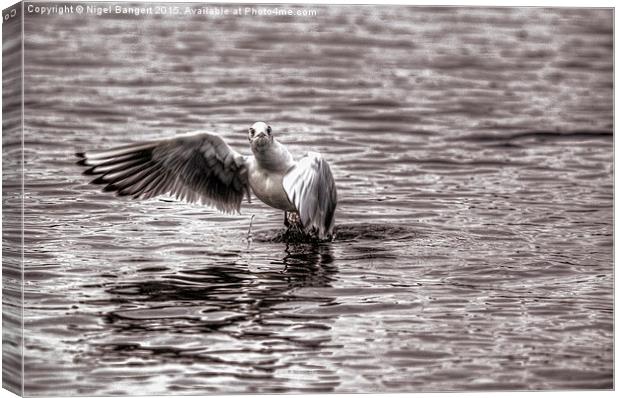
(473, 155)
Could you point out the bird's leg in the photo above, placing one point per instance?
(287, 224)
(293, 224)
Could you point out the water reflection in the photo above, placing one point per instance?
(235, 310)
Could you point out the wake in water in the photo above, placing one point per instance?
(342, 233)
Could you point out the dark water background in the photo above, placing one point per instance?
(473, 155)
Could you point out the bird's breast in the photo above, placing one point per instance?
(267, 186)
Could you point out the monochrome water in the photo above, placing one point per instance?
(472, 150)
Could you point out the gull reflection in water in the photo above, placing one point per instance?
(229, 317)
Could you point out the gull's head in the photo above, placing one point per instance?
(260, 135)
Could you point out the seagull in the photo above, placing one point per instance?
(201, 168)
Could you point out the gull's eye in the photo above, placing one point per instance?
(268, 129)
(252, 132)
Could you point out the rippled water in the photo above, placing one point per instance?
(473, 155)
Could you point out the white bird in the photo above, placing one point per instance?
(202, 168)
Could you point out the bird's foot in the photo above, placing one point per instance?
(294, 228)
(292, 220)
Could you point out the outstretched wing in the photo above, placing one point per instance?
(310, 186)
(197, 168)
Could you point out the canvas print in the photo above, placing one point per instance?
(214, 198)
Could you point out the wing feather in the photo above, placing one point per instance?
(310, 186)
(198, 168)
